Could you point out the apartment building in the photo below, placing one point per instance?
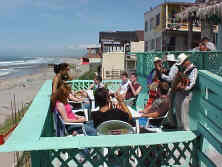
(163, 31)
(94, 54)
(115, 48)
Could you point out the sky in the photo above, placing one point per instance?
(65, 27)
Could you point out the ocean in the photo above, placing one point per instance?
(13, 66)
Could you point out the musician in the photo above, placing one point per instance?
(173, 69)
(153, 80)
(171, 61)
(184, 92)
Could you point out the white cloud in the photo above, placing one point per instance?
(81, 46)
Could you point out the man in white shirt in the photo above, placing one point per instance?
(169, 78)
(124, 84)
(208, 44)
(184, 92)
(173, 69)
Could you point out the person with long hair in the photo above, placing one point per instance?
(106, 111)
(61, 104)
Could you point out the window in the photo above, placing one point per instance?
(146, 26)
(158, 44)
(152, 44)
(146, 46)
(158, 19)
(151, 23)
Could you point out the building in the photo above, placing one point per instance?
(94, 54)
(164, 31)
(209, 13)
(115, 51)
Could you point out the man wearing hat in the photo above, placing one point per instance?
(173, 68)
(184, 92)
(169, 78)
(153, 80)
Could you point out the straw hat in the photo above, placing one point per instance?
(171, 57)
(156, 59)
(181, 58)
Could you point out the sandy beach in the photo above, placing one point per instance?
(25, 88)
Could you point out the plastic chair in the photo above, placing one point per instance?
(114, 127)
(155, 124)
(64, 128)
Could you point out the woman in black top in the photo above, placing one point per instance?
(106, 111)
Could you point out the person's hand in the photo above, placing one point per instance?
(143, 115)
(81, 119)
(119, 98)
(180, 86)
(141, 111)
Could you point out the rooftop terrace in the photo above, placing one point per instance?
(36, 134)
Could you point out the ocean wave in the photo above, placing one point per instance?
(39, 60)
(4, 72)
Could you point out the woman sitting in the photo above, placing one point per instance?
(65, 110)
(97, 83)
(106, 111)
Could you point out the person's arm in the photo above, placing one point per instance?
(91, 86)
(135, 92)
(55, 84)
(73, 98)
(172, 74)
(62, 111)
(146, 110)
(151, 115)
(193, 79)
(123, 106)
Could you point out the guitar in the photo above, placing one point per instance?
(180, 78)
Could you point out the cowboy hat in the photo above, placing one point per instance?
(171, 57)
(181, 58)
(156, 59)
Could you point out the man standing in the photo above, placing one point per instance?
(173, 69)
(184, 92)
(169, 78)
(153, 80)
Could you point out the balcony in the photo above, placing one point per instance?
(36, 133)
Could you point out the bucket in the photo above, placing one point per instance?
(2, 139)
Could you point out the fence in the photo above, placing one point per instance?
(205, 106)
(36, 134)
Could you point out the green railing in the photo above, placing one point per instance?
(210, 125)
(211, 61)
(35, 133)
(205, 108)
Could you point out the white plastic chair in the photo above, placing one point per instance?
(155, 124)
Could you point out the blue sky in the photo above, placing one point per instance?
(65, 27)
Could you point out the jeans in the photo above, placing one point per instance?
(88, 127)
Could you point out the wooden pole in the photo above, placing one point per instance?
(190, 32)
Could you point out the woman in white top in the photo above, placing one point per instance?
(97, 83)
